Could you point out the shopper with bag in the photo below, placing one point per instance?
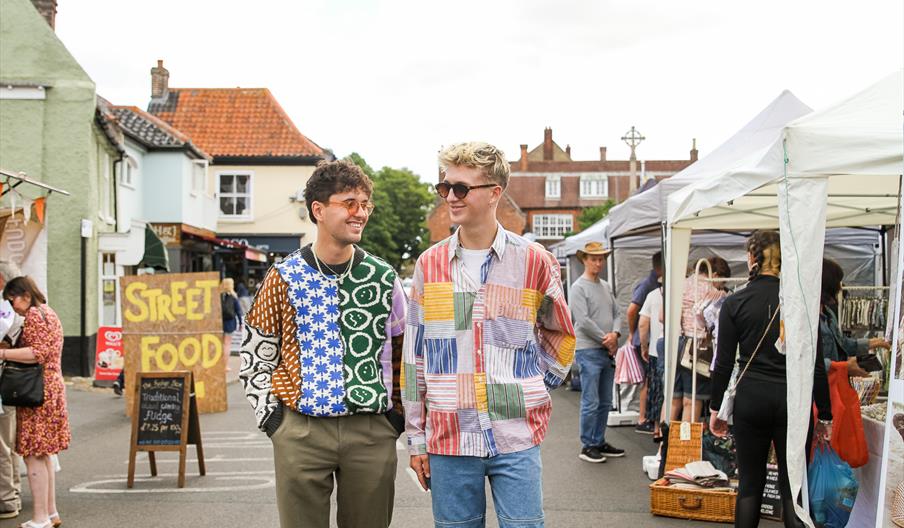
(699, 293)
(596, 323)
(749, 328)
(43, 429)
(835, 345)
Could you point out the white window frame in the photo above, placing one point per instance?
(552, 226)
(249, 212)
(199, 169)
(129, 170)
(594, 186)
(102, 275)
(105, 169)
(553, 187)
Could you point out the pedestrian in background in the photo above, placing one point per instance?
(650, 328)
(10, 486)
(699, 293)
(232, 312)
(596, 324)
(487, 336)
(244, 297)
(43, 430)
(645, 419)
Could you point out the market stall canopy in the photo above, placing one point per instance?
(856, 144)
(837, 167)
(571, 245)
(647, 210)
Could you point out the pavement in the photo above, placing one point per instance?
(238, 489)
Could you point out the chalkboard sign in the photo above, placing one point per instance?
(165, 418)
(161, 403)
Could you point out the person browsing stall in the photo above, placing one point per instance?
(749, 328)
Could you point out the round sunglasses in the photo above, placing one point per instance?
(460, 190)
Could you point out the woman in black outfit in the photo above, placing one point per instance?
(760, 408)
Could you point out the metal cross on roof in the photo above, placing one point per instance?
(633, 138)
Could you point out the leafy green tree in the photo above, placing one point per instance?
(397, 230)
(593, 214)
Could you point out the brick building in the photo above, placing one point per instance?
(548, 189)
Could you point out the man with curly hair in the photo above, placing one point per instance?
(320, 362)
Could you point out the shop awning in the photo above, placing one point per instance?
(155, 255)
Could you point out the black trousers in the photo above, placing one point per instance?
(760, 420)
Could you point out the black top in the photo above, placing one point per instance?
(743, 321)
(307, 253)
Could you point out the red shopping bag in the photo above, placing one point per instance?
(848, 437)
(628, 370)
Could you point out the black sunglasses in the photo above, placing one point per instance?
(459, 189)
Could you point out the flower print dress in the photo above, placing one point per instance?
(44, 430)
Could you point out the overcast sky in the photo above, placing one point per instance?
(396, 80)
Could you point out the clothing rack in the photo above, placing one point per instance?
(863, 312)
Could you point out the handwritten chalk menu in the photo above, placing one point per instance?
(160, 402)
(165, 418)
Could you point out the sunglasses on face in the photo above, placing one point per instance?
(353, 206)
(460, 190)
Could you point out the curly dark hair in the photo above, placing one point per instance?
(332, 177)
(831, 281)
(760, 243)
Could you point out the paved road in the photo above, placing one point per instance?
(238, 489)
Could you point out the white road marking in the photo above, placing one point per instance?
(264, 479)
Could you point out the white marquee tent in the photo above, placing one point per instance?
(647, 210)
(837, 167)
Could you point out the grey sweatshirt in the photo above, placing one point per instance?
(594, 312)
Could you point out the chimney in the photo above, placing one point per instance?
(568, 151)
(159, 81)
(694, 150)
(547, 144)
(522, 163)
(602, 153)
(48, 10)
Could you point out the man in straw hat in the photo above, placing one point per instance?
(596, 323)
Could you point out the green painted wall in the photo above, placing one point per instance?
(55, 141)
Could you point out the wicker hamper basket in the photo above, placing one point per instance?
(699, 505)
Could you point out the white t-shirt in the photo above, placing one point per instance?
(472, 260)
(651, 308)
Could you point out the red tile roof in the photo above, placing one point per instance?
(234, 122)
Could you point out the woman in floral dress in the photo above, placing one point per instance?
(44, 430)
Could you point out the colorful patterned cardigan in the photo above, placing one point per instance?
(320, 345)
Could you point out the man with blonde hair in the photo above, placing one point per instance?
(10, 487)
(488, 334)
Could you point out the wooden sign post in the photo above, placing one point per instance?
(173, 322)
(165, 418)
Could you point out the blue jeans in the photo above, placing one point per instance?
(597, 379)
(457, 486)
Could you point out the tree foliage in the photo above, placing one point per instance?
(593, 214)
(397, 230)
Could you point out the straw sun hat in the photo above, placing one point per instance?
(593, 248)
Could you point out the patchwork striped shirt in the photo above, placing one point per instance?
(479, 358)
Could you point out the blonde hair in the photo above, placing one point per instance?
(477, 155)
(228, 286)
